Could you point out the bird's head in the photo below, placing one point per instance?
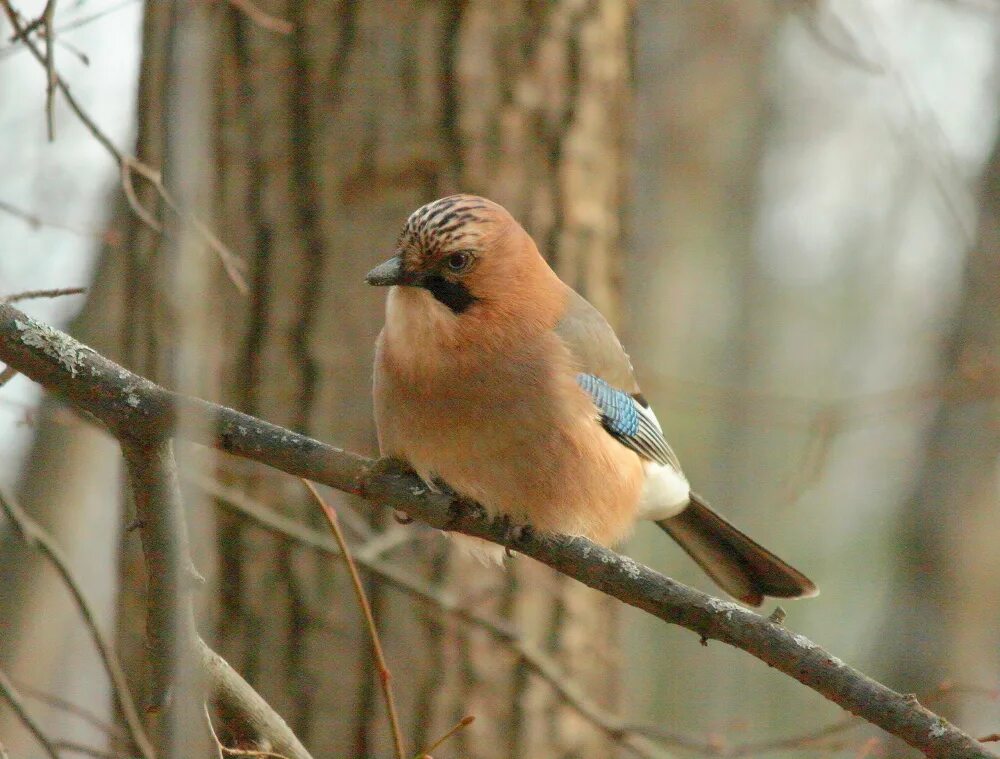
(469, 255)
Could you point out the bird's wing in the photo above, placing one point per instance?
(629, 420)
(606, 375)
(594, 345)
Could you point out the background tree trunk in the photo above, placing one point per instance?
(787, 311)
(946, 598)
(322, 142)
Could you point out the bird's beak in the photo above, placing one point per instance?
(389, 272)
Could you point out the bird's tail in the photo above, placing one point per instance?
(739, 565)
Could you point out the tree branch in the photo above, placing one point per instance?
(179, 657)
(32, 533)
(170, 627)
(236, 696)
(231, 263)
(367, 557)
(135, 409)
(10, 694)
(384, 675)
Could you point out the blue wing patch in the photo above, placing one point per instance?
(629, 420)
(618, 412)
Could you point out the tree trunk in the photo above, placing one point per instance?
(701, 131)
(322, 142)
(947, 594)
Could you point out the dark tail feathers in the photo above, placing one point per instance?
(739, 565)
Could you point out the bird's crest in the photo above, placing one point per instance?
(438, 224)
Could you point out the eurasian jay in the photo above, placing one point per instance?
(499, 380)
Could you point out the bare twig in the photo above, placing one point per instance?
(262, 19)
(33, 294)
(815, 738)
(64, 705)
(367, 557)
(170, 627)
(215, 736)
(384, 675)
(461, 724)
(222, 749)
(50, 68)
(236, 695)
(37, 538)
(35, 221)
(231, 263)
(10, 694)
(75, 23)
(137, 410)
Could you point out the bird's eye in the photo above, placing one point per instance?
(459, 261)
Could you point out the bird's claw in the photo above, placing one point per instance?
(462, 507)
(514, 533)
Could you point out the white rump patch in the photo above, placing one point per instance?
(665, 494)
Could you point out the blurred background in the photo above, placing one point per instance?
(790, 211)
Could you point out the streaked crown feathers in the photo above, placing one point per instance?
(449, 222)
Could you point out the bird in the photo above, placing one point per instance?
(497, 380)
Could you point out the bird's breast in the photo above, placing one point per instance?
(511, 430)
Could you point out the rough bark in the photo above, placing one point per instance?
(143, 416)
(322, 141)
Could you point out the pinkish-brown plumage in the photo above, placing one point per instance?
(487, 400)
(496, 378)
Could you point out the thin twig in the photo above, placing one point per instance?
(75, 23)
(211, 731)
(37, 538)
(62, 704)
(384, 676)
(36, 222)
(235, 694)
(50, 68)
(367, 557)
(462, 723)
(231, 263)
(137, 410)
(33, 294)
(222, 749)
(9, 692)
(811, 739)
(843, 45)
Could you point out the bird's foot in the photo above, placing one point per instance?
(460, 508)
(514, 533)
(390, 468)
